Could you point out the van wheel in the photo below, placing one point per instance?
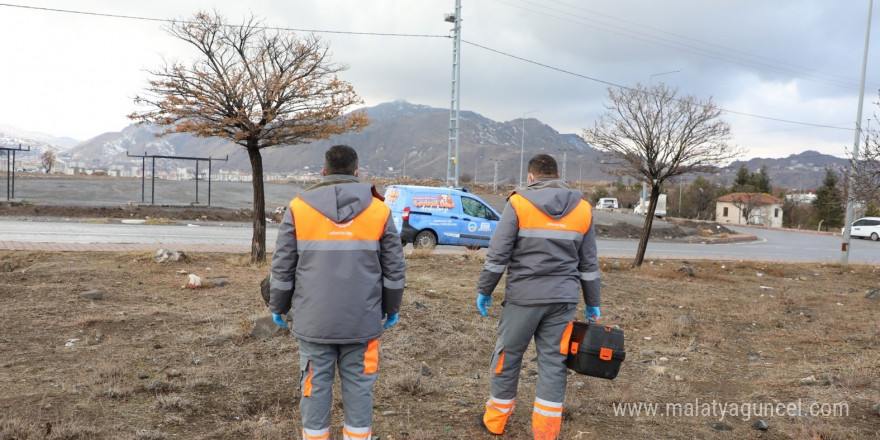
(874, 236)
(425, 240)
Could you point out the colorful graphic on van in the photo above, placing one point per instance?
(443, 201)
(392, 195)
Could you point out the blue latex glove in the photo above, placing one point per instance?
(483, 303)
(279, 319)
(389, 320)
(593, 314)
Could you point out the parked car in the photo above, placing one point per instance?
(866, 227)
(427, 216)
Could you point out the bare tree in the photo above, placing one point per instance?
(862, 179)
(258, 87)
(745, 203)
(48, 160)
(651, 135)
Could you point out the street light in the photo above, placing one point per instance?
(651, 78)
(522, 146)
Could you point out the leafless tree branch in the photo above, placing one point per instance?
(259, 88)
(650, 134)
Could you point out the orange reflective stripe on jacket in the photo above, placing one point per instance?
(530, 217)
(312, 225)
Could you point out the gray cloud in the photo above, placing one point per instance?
(795, 60)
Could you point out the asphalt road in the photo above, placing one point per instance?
(772, 245)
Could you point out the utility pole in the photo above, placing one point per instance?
(455, 104)
(844, 247)
(476, 164)
(580, 169)
(564, 160)
(495, 179)
(522, 146)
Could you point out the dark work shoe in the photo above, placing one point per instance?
(482, 424)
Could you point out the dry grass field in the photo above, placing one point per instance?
(156, 360)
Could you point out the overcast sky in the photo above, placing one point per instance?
(75, 75)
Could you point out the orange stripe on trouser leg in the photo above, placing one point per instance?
(307, 384)
(356, 433)
(546, 420)
(500, 363)
(566, 338)
(497, 412)
(371, 357)
(323, 434)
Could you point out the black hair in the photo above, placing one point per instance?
(543, 165)
(340, 159)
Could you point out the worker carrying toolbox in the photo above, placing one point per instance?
(546, 243)
(339, 264)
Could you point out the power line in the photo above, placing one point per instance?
(167, 20)
(546, 66)
(800, 70)
(708, 53)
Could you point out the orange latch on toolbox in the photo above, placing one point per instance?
(605, 354)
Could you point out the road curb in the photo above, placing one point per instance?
(732, 239)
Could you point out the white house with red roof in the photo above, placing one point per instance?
(749, 209)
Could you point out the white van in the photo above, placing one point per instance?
(607, 203)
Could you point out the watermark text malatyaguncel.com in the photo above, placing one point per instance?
(720, 410)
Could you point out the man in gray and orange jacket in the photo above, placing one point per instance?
(546, 242)
(339, 263)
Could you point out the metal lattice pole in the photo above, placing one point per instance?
(455, 105)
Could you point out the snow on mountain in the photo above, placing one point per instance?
(12, 136)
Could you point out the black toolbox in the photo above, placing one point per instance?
(595, 350)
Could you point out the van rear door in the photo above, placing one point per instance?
(478, 222)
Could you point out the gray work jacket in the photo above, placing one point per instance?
(338, 289)
(543, 268)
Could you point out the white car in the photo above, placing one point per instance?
(866, 227)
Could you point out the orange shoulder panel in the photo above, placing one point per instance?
(530, 217)
(312, 225)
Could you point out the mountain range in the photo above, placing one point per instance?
(402, 138)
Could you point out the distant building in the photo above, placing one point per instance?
(801, 198)
(749, 209)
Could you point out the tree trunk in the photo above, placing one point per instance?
(258, 244)
(646, 230)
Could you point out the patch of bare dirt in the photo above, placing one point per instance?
(631, 231)
(156, 360)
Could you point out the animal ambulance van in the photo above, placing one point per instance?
(427, 216)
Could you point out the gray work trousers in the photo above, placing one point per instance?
(516, 328)
(358, 369)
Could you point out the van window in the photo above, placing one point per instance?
(474, 208)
